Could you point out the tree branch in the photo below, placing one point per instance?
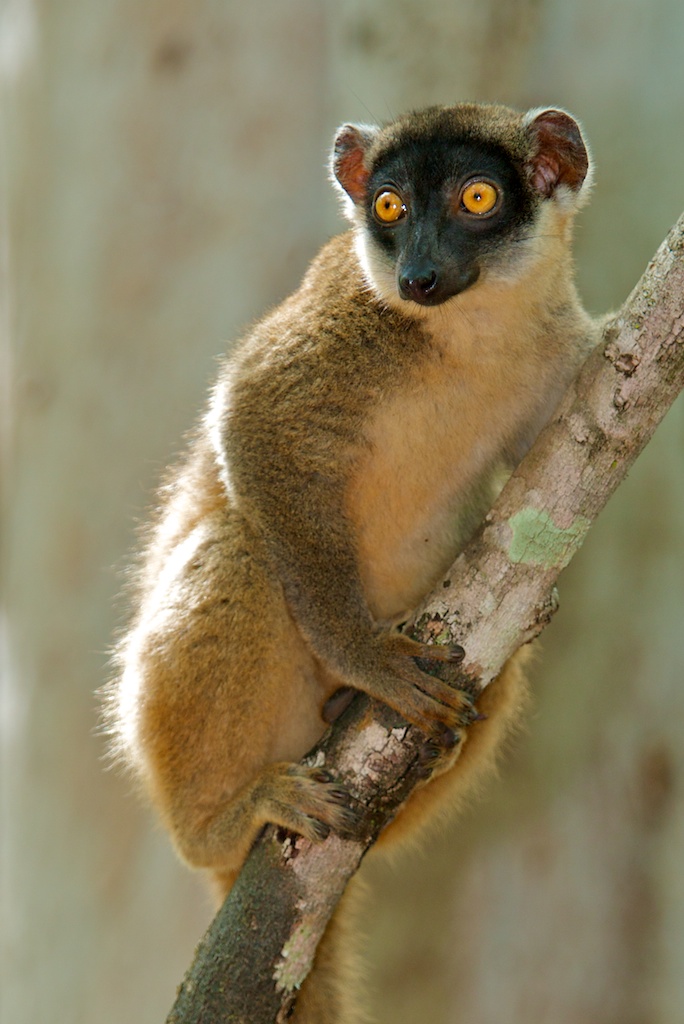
(497, 596)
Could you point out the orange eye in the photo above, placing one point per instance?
(479, 197)
(389, 207)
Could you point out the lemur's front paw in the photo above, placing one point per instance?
(401, 678)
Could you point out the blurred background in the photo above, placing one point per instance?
(163, 182)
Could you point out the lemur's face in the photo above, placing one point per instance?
(440, 200)
(438, 211)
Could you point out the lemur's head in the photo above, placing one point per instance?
(448, 196)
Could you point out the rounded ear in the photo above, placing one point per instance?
(559, 153)
(352, 142)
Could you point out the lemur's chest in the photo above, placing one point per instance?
(430, 466)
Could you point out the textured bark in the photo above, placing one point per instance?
(498, 595)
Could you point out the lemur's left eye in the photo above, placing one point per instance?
(388, 206)
(479, 197)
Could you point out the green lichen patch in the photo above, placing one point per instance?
(536, 540)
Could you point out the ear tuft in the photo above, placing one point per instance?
(352, 142)
(559, 153)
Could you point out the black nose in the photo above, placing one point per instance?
(420, 287)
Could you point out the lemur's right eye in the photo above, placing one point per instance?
(388, 206)
(479, 197)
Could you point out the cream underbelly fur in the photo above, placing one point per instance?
(432, 463)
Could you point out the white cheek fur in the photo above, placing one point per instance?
(379, 272)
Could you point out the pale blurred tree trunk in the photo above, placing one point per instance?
(164, 181)
(164, 161)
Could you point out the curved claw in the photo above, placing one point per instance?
(434, 748)
(438, 751)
